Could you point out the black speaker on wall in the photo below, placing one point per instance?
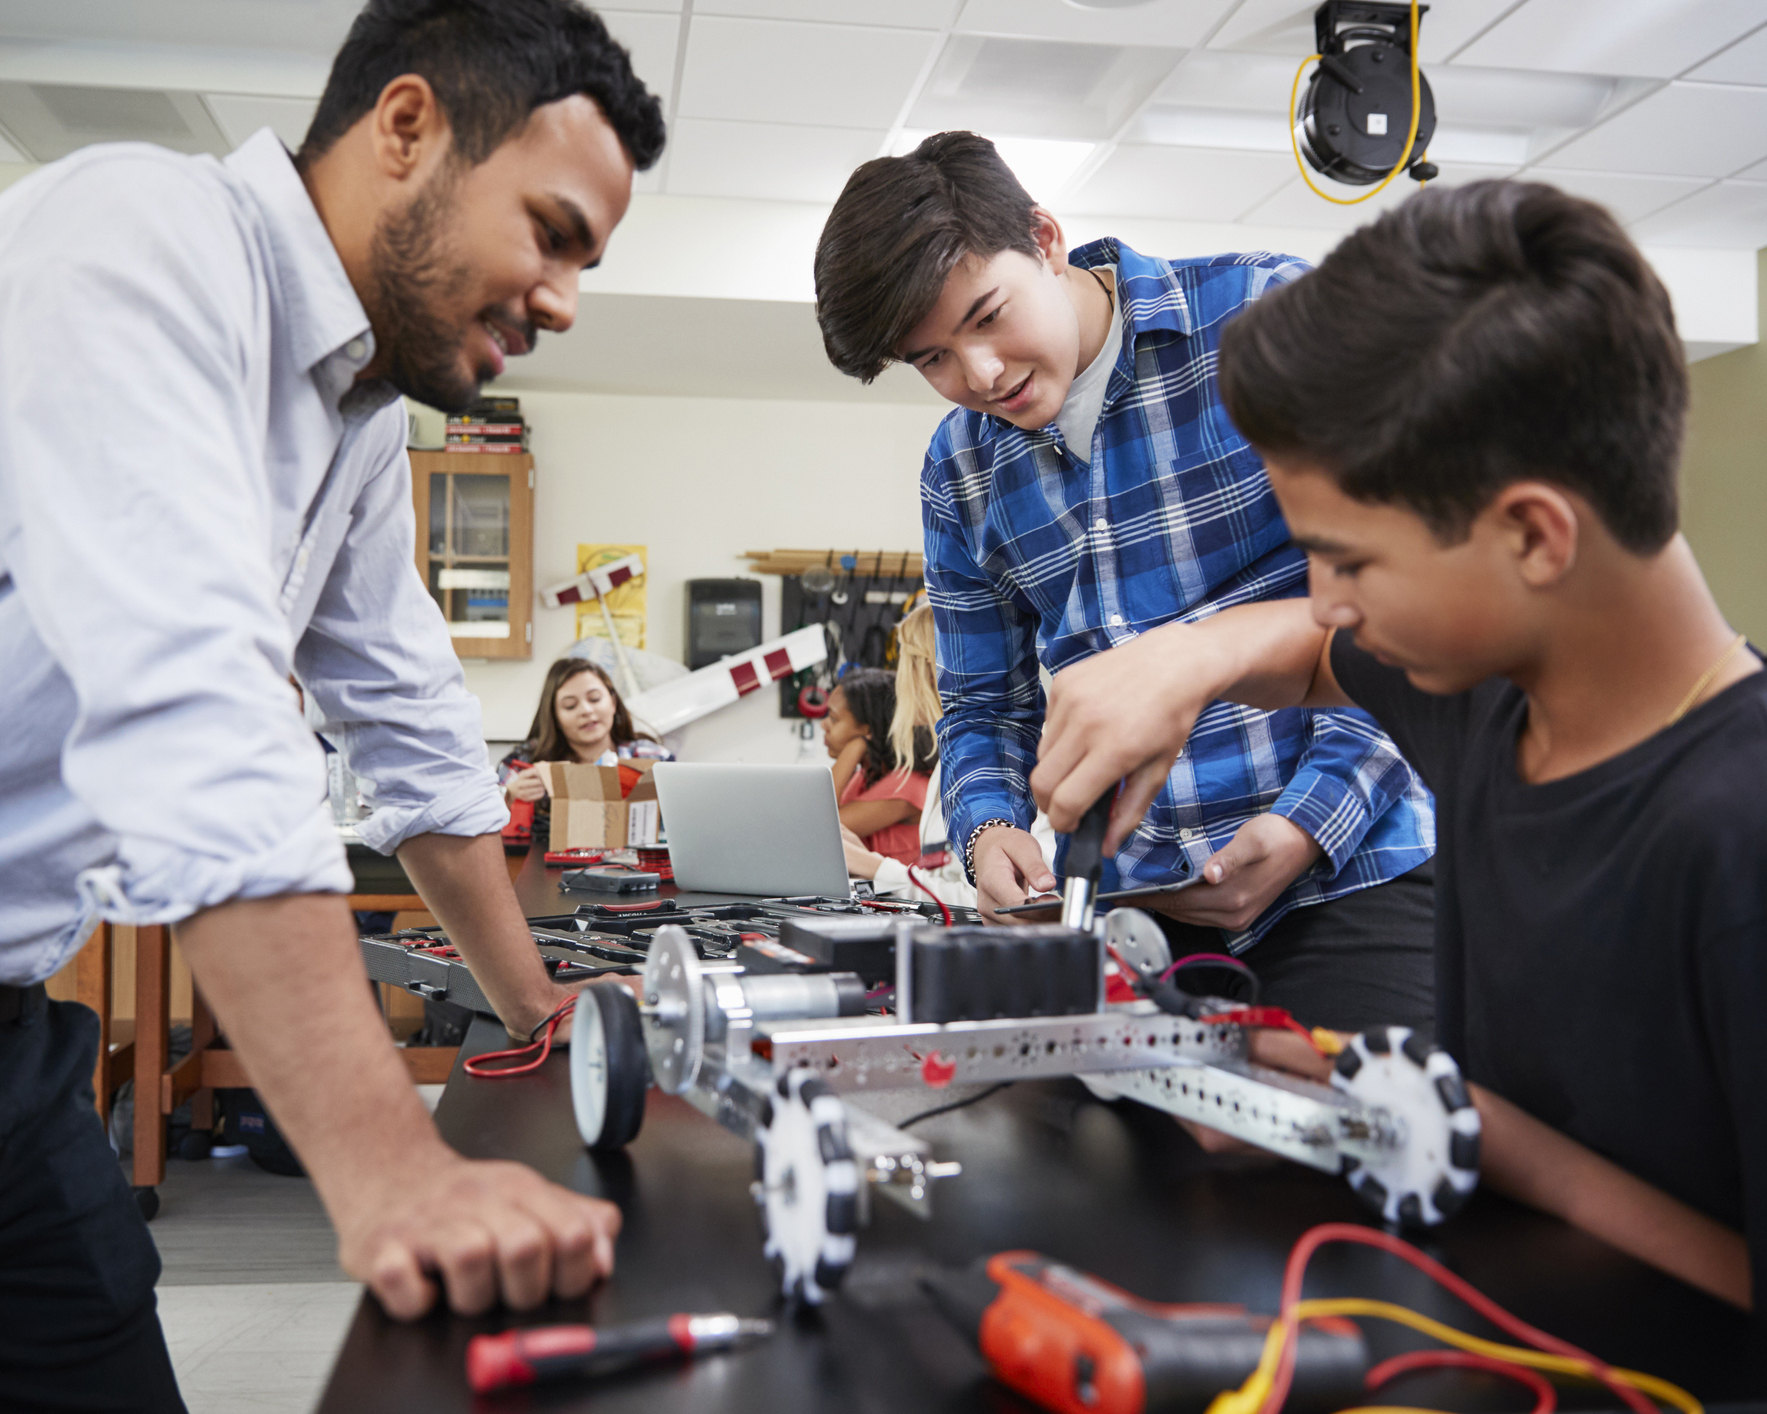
(723, 617)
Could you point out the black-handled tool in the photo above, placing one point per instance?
(1085, 863)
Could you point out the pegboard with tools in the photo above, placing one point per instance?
(859, 595)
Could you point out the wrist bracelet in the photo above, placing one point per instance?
(969, 849)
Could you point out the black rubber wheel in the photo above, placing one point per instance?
(148, 1201)
(628, 1063)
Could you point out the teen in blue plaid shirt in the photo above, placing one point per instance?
(1089, 488)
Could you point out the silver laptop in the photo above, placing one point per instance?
(774, 831)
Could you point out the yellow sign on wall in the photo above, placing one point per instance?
(627, 604)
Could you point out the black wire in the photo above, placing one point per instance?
(954, 1105)
(1236, 967)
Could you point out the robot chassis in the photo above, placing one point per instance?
(776, 1056)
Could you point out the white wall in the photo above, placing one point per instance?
(700, 480)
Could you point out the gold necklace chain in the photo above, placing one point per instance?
(1693, 694)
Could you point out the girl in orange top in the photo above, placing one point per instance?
(880, 795)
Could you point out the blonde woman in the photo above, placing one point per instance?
(917, 709)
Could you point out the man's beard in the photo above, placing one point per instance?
(410, 276)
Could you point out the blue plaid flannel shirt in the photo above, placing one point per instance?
(1036, 554)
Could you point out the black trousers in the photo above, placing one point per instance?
(1367, 959)
(78, 1325)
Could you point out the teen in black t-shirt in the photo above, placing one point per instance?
(1472, 415)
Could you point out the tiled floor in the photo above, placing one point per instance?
(253, 1302)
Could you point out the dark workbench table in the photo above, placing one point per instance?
(1116, 1189)
(539, 890)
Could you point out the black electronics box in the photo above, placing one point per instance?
(723, 618)
(866, 944)
(765, 955)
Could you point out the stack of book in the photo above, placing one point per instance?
(489, 425)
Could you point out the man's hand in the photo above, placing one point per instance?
(1266, 854)
(1009, 864)
(525, 783)
(285, 979)
(484, 1230)
(1122, 715)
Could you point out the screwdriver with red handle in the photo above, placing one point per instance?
(525, 1357)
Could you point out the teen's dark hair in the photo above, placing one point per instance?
(491, 64)
(871, 698)
(899, 227)
(547, 740)
(1472, 338)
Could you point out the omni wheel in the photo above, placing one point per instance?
(1429, 1176)
(807, 1188)
(609, 1068)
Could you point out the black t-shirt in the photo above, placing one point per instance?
(1601, 940)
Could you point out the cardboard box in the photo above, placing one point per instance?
(588, 812)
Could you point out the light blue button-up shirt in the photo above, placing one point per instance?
(197, 502)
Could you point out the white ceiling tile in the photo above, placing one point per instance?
(241, 115)
(1645, 38)
(898, 14)
(9, 153)
(1682, 130)
(672, 7)
(1744, 62)
(1177, 183)
(1286, 27)
(781, 72)
(1726, 216)
(1629, 196)
(1296, 205)
(1211, 78)
(1038, 87)
(1757, 173)
(1517, 98)
(651, 40)
(771, 161)
(1179, 23)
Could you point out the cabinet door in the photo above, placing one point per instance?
(475, 547)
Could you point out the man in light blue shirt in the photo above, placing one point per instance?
(203, 495)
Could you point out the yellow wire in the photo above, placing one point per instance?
(1410, 136)
(1250, 1396)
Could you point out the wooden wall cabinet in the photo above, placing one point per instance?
(475, 547)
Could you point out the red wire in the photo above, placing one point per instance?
(478, 1066)
(1315, 1238)
(1271, 1017)
(944, 912)
(1545, 1396)
(1233, 964)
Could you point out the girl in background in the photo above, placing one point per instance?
(580, 718)
(881, 788)
(935, 869)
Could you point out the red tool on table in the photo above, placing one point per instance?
(525, 1357)
(1078, 1345)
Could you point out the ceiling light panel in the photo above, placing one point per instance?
(898, 14)
(240, 115)
(651, 39)
(1286, 27)
(51, 120)
(308, 26)
(1296, 205)
(1038, 87)
(1177, 24)
(1744, 62)
(1725, 216)
(1683, 130)
(1644, 38)
(771, 161)
(1180, 184)
(848, 76)
(1629, 197)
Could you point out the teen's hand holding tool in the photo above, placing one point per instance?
(1507, 593)
(203, 492)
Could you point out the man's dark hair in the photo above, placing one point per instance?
(899, 228)
(491, 63)
(1469, 339)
